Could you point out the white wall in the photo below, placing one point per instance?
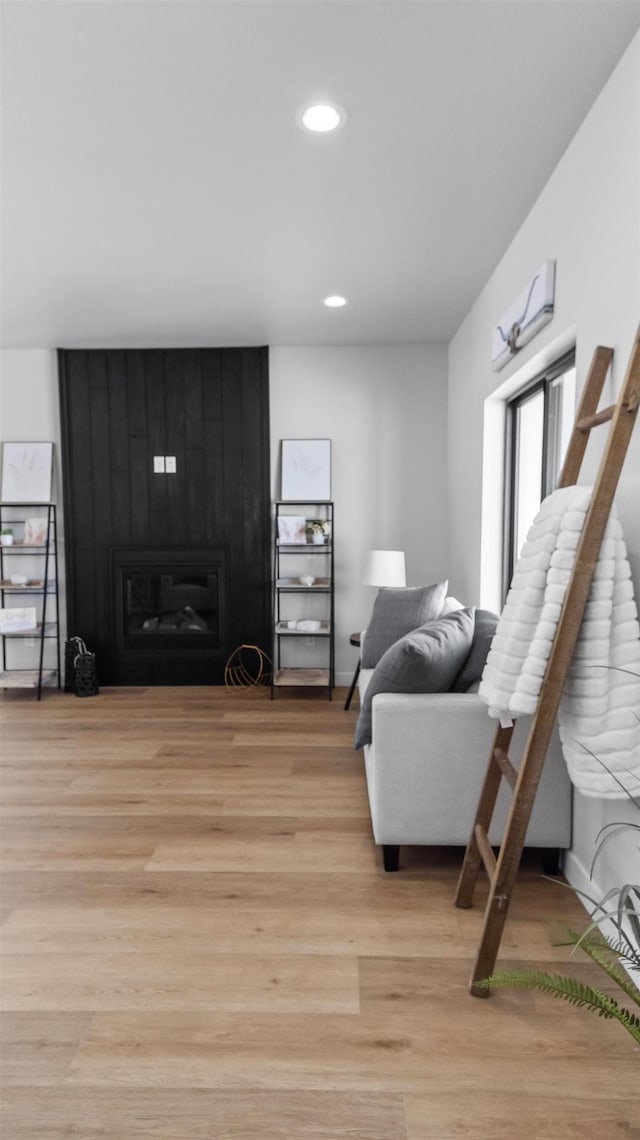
(588, 218)
(29, 400)
(384, 408)
(29, 410)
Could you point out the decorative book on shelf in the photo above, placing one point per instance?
(18, 619)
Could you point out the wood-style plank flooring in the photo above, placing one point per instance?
(199, 943)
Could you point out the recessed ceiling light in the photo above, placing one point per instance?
(335, 302)
(321, 118)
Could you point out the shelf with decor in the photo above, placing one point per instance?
(303, 595)
(29, 633)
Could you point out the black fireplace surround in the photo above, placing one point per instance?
(166, 573)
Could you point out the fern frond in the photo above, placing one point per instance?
(625, 951)
(622, 945)
(601, 952)
(629, 958)
(623, 911)
(570, 990)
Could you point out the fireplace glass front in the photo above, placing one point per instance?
(170, 603)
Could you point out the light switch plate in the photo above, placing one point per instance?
(158, 464)
(170, 461)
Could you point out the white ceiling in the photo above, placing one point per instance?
(157, 190)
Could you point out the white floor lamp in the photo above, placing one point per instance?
(385, 568)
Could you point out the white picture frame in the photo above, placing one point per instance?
(35, 532)
(27, 470)
(291, 530)
(306, 470)
(18, 620)
(531, 311)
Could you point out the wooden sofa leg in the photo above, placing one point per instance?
(551, 861)
(391, 856)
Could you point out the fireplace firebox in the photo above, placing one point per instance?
(168, 603)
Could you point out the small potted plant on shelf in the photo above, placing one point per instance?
(6, 536)
(317, 530)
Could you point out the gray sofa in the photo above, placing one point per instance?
(425, 767)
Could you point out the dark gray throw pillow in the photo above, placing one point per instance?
(396, 611)
(471, 671)
(427, 660)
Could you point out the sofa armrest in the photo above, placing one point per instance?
(401, 719)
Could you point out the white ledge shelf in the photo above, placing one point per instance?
(296, 584)
(308, 678)
(323, 631)
(25, 678)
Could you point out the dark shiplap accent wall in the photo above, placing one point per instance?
(210, 408)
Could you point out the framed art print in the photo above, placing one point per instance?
(26, 472)
(306, 470)
(291, 530)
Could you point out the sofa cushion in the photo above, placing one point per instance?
(426, 660)
(396, 611)
(471, 672)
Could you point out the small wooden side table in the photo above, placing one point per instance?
(353, 640)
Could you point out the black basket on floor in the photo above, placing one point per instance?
(72, 648)
(81, 675)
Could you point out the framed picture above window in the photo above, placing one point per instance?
(26, 472)
(306, 470)
(531, 310)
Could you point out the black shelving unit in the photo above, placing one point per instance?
(303, 643)
(41, 589)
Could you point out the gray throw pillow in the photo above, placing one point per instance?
(471, 671)
(396, 611)
(427, 660)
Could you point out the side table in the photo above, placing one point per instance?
(353, 640)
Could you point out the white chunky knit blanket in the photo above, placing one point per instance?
(599, 715)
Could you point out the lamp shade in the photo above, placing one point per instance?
(385, 568)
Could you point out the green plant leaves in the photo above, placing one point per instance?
(568, 989)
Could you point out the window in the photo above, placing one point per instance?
(539, 424)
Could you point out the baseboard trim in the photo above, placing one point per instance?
(344, 678)
(577, 875)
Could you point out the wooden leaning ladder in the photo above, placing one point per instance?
(503, 870)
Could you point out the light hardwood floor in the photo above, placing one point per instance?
(199, 943)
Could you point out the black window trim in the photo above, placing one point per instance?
(542, 381)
